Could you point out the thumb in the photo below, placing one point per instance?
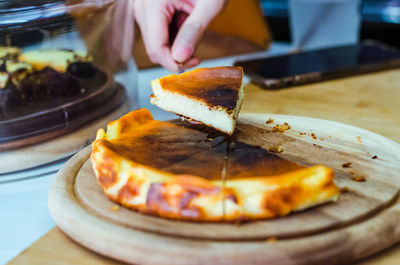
(193, 29)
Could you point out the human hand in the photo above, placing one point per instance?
(154, 18)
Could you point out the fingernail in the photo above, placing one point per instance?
(181, 69)
(182, 54)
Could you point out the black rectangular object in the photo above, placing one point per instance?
(318, 65)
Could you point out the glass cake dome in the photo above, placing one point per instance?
(62, 65)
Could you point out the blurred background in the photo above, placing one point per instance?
(380, 19)
(295, 21)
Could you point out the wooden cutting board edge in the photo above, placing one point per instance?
(360, 199)
(342, 245)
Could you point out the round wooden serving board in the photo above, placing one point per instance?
(363, 221)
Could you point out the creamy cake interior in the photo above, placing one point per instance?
(212, 96)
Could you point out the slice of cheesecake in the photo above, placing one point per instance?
(212, 96)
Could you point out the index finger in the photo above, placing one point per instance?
(156, 37)
(193, 28)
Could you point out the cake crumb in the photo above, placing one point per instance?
(313, 136)
(375, 157)
(346, 165)
(302, 133)
(238, 222)
(272, 239)
(317, 145)
(351, 172)
(359, 178)
(281, 127)
(269, 121)
(114, 208)
(344, 190)
(276, 149)
(359, 139)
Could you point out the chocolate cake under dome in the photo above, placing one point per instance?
(59, 62)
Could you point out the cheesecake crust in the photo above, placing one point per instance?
(216, 87)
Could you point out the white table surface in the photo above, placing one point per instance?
(24, 216)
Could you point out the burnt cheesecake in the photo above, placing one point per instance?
(189, 171)
(212, 96)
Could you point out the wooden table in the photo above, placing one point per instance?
(369, 101)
